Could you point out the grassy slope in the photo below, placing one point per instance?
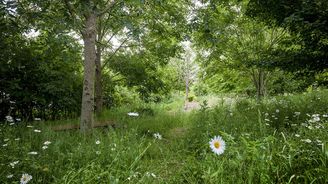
(266, 143)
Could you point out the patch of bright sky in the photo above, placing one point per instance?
(197, 4)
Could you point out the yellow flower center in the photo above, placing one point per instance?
(216, 144)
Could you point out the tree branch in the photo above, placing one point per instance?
(117, 49)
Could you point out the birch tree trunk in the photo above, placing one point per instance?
(89, 38)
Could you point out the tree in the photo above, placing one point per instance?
(236, 42)
(307, 21)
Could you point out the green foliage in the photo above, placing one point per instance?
(42, 79)
(307, 21)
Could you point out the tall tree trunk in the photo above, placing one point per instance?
(89, 38)
(98, 87)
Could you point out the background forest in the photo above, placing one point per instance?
(132, 91)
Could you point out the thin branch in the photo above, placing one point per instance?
(117, 49)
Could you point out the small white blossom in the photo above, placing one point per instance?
(6, 140)
(306, 140)
(10, 176)
(12, 164)
(4, 145)
(29, 126)
(47, 143)
(98, 152)
(157, 136)
(37, 119)
(297, 113)
(297, 135)
(44, 147)
(9, 119)
(133, 114)
(97, 142)
(36, 130)
(33, 153)
(17, 139)
(277, 111)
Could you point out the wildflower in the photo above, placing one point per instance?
(11, 124)
(266, 119)
(44, 147)
(4, 145)
(306, 140)
(9, 119)
(33, 153)
(37, 119)
(277, 110)
(148, 174)
(10, 176)
(297, 135)
(98, 152)
(29, 126)
(12, 164)
(325, 115)
(217, 145)
(6, 140)
(266, 114)
(25, 178)
(36, 130)
(297, 113)
(97, 142)
(47, 143)
(18, 119)
(133, 114)
(17, 139)
(267, 124)
(158, 136)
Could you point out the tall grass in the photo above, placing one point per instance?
(266, 142)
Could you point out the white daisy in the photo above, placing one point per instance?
(25, 178)
(97, 142)
(217, 145)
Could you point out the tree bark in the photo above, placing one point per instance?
(89, 38)
(259, 80)
(98, 87)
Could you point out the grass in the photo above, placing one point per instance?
(266, 143)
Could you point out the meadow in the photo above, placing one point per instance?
(282, 139)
